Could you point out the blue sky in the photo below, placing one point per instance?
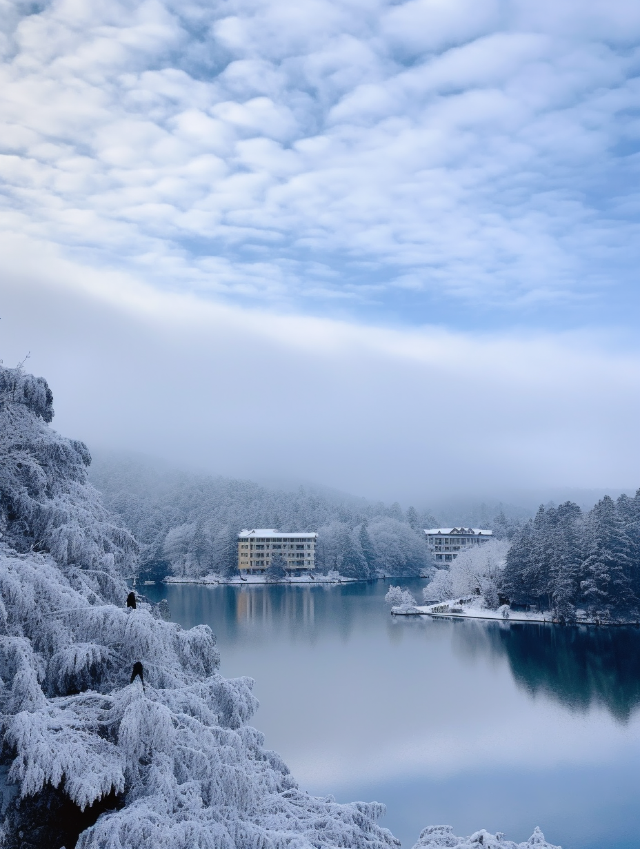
(458, 167)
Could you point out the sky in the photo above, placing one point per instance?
(391, 247)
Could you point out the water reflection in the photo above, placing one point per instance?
(476, 723)
(580, 667)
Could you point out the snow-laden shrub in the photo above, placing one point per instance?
(476, 571)
(175, 753)
(439, 836)
(439, 588)
(397, 597)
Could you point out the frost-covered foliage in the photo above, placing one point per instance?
(439, 588)
(477, 571)
(277, 570)
(188, 524)
(175, 753)
(442, 837)
(46, 503)
(397, 597)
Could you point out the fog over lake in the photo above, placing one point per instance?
(474, 724)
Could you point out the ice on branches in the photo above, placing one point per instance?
(442, 837)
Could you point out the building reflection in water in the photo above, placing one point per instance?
(260, 605)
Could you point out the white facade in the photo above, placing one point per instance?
(446, 544)
(257, 547)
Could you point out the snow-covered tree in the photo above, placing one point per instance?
(277, 569)
(46, 502)
(397, 597)
(399, 549)
(440, 836)
(476, 571)
(439, 588)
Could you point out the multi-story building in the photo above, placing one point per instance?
(256, 549)
(446, 543)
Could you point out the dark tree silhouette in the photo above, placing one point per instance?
(136, 672)
(131, 600)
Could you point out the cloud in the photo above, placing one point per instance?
(477, 154)
(391, 413)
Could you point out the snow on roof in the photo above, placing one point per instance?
(270, 532)
(467, 531)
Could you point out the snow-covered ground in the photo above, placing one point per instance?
(260, 579)
(475, 609)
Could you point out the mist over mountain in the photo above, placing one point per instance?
(187, 523)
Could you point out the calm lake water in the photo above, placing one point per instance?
(474, 724)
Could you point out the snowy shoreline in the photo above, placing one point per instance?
(458, 611)
(211, 580)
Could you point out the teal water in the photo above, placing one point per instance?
(470, 723)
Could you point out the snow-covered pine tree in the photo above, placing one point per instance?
(566, 566)
(412, 518)
(277, 569)
(518, 577)
(608, 566)
(367, 549)
(351, 561)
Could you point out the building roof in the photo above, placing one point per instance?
(463, 531)
(270, 532)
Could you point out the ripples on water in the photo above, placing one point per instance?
(477, 724)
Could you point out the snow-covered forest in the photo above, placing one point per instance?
(187, 524)
(566, 559)
(91, 753)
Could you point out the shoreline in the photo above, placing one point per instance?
(304, 580)
(531, 618)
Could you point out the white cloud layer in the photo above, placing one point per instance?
(334, 153)
(380, 412)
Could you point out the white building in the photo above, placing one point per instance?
(446, 543)
(256, 549)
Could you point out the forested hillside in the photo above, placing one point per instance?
(565, 559)
(118, 730)
(187, 524)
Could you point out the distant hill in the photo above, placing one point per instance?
(187, 524)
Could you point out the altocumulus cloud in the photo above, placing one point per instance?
(334, 154)
(360, 171)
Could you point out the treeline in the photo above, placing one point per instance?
(565, 559)
(187, 524)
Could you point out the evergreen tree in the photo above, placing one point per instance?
(518, 579)
(351, 562)
(566, 568)
(608, 565)
(277, 569)
(367, 549)
(412, 518)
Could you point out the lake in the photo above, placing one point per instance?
(469, 723)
